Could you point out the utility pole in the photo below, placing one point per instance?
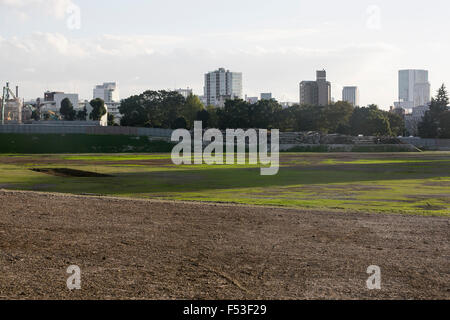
(3, 105)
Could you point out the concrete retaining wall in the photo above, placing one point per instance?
(348, 148)
(429, 144)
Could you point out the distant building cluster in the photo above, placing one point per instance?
(414, 97)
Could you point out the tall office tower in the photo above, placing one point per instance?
(108, 92)
(308, 93)
(351, 95)
(316, 93)
(324, 88)
(413, 89)
(221, 85)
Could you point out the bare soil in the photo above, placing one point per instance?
(139, 249)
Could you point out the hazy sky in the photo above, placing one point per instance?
(156, 44)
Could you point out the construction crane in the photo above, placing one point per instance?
(11, 102)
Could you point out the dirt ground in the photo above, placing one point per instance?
(139, 249)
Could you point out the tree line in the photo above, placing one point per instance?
(436, 122)
(170, 110)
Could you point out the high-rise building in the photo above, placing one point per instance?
(221, 85)
(308, 93)
(324, 88)
(351, 95)
(413, 89)
(266, 96)
(185, 92)
(316, 93)
(108, 92)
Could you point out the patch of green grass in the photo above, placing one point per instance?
(384, 161)
(124, 157)
(399, 184)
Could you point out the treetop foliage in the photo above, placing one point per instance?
(166, 109)
(98, 109)
(436, 122)
(66, 110)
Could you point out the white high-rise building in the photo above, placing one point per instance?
(221, 85)
(185, 92)
(413, 89)
(351, 95)
(109, 93)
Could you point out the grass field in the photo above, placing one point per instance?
(398, 183)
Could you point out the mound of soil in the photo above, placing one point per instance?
(65, 172)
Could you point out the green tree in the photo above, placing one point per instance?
(262, 114)
(308, 118)
(235, 114)
(180, 123)
(444, 124)
(203, 116)
(284, 119)
(430, 126)
(336, 118)
(369, 121)
(397, 123)
(111, 120)
(98, 109)
(442, 98)
(156, 109)
(66, 110)
(213, 118)
(81, 114)
(190, 110)
(133, 111)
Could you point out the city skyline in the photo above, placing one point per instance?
(275, 47)
(422, 98)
